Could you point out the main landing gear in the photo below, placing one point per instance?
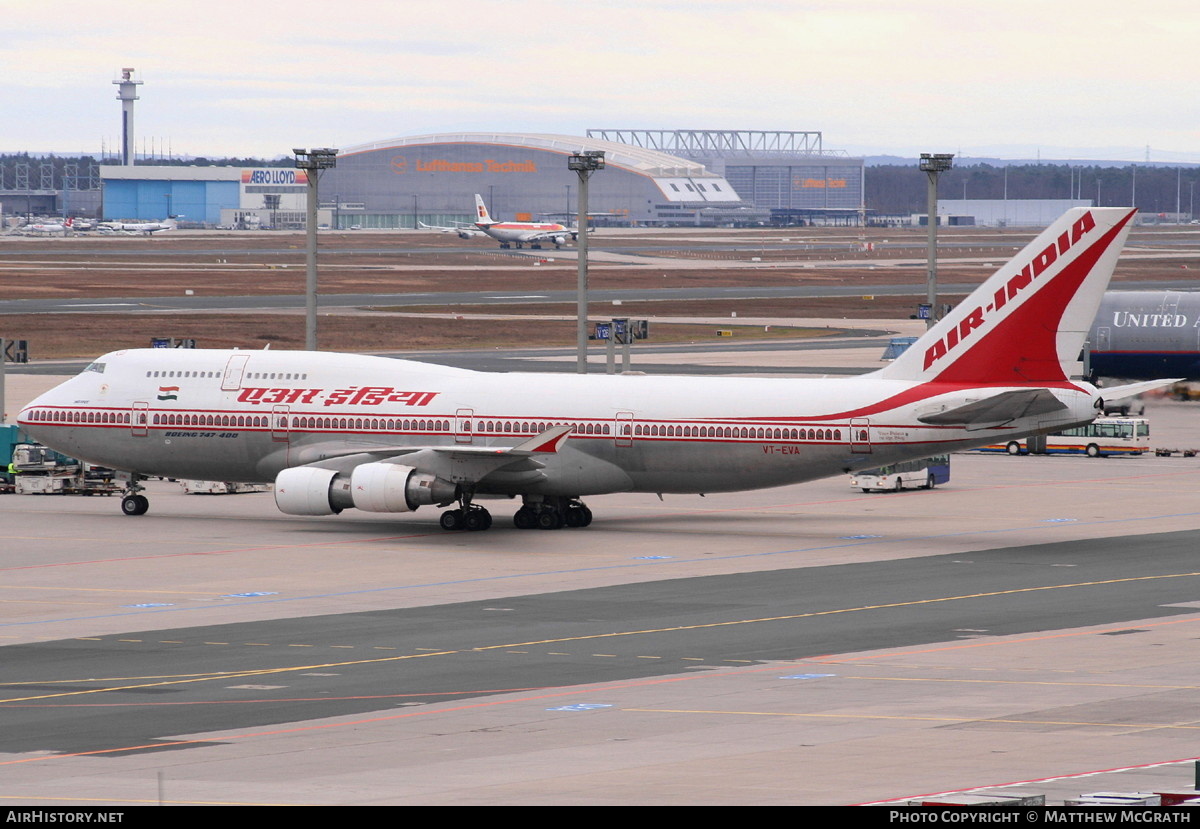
(468, 516)
(548, 513)
(552, 514)
(132, 501)
(471, 518)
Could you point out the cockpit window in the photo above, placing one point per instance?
(96, 367)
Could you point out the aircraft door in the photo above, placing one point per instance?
(1103, 338)
(139, 419)
(279, 422)
(623, 429)
(462, 425)
(232, 379)
(860, 436)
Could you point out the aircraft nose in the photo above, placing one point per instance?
(38, 411)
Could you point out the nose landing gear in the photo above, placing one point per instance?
(132, 501)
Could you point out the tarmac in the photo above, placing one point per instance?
(1031, 625)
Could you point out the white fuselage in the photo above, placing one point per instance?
(526, 231)
(247, 415)
(137, 227)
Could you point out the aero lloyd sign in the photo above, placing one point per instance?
(277, 176)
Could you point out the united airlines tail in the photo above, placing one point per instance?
(1026, 325)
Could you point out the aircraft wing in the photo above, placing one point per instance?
(459, 464)
(550, 235)
(465, 231)
(997, 409)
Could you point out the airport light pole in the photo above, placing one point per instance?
(311, 161)
(932, 164)
(584, 164)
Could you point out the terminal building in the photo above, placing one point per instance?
(1002, 212)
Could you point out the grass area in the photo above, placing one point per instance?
(61, 336)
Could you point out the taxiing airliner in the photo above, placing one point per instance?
(335, 431)
(510, 234)
(148, 228)
(48, 228)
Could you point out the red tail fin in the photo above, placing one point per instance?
(1027, 323)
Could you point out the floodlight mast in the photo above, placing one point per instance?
(584, 163)
(311, 161)
(932, 164)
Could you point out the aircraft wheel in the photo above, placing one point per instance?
(452, 519)
(525, 519)
(135, 504)
(550, 520)
(1013, 448)
(477, 519)
(1093, 451)
(578, 516)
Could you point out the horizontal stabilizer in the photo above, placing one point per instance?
(999, 408)
(1121, 392)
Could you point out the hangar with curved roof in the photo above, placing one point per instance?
(433, 179)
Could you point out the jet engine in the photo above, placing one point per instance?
(374, 487)
(390, 487)
(464, 234)
(560, 240)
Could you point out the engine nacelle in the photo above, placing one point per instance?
(560, 240)
(392, 487)
(309, 490)
(464, 234)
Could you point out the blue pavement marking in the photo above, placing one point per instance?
(580, 706)
(608, 567)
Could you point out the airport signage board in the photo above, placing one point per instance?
(400, 165)
(283, 176)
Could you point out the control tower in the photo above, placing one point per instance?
(127, 94)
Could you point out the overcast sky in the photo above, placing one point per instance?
(1011, 78)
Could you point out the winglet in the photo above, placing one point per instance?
(550, 440)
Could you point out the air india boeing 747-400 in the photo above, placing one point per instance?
(335, 431)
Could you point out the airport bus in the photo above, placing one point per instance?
(1102, 437)
(923, 473)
